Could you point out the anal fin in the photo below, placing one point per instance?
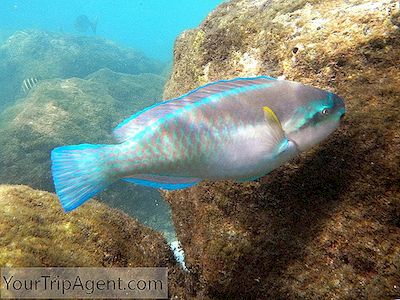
(163, 182)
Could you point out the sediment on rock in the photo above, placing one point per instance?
(325, 225)
(35, 232)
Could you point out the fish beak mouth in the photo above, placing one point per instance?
(340, 106)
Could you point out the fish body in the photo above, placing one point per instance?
(28, 84)
(83, 23)
(223, 136)
(238, 129)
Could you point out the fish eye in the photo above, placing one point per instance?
(325, 111)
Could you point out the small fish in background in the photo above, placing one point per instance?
(239, 129)
(28, 84)
(83, 23)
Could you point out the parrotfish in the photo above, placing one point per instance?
(239, 129)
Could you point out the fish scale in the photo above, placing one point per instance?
(209, 131)
(238, 129)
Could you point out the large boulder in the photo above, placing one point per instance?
(327, 224)
(34, 232)
(46, 55)
(73, 111)
(138, 90)
(57, 112)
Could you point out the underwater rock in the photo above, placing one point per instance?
(327, 224)
(140, 90)
(48, 55)
(34, 232)
(55, 112)
(74, 111)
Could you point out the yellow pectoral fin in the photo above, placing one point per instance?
(271, 116)
(274, 127)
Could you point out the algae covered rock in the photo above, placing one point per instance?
(47, 55)
(55, 113)
(327, 224)
(34, 232)
(74, 111)
(139, 90)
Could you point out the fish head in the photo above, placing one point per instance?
(314, 119)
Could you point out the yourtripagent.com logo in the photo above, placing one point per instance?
(58, 283)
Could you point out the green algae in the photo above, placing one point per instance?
(325, 225)
(35, 232)
(49, 55)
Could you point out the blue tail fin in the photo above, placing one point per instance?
(78, 173)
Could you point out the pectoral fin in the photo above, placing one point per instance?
(271, 116)
(274, 128)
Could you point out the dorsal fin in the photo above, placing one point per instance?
(142, 119)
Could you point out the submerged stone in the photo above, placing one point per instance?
(325, 225)
(35, 232)
(139, 90)
(47, 55)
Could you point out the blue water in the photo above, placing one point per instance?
(148, 25)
